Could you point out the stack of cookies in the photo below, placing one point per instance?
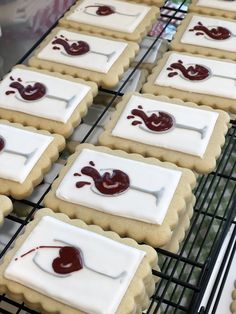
(138, 183)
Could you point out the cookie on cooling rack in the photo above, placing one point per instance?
(213, 7)
(26, 155)
(126, 193)
(119, 19)
(45, 100)
(193, 77)
(206, 35)
(5, 207)
(87, 270)
(171, 130)
(92, 57)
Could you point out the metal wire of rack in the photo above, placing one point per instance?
(183, 276)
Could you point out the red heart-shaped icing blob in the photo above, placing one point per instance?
(69, 260)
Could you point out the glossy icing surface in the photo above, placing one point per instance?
(105, 263)
(21, 152)
(165, 131)
(147, 198)
(92, 60)
(87, 13)
(218, 4)
(217, 33)
(221, 74)
(59, 102)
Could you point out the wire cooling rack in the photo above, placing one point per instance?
(184, 276)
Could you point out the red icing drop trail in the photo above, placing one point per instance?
(19, 79)
(9, 92)
(154, 122)
(11, 78)
(217, 33)
(92, 163)
(130, 117)
(136, 122)
(140, 107)
(193, 72)
(81, 184)
(68, 261)
(77, 174)
(55, 48)
(37, 248)
(102, 10)
(74, 49)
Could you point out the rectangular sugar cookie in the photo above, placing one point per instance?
(121, 192)
(45, 100)
(26, 154)
(119, 19)
(168, 129)
(87, 270)
(212, 7)
(190, 77)
(206, 35)
(91, 57)
(5, 207)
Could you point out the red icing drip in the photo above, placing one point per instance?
(69, 260)
(193, 72)
(30, 92)
(140, 107)
(11, 78)
(81, 184)
(19, 79)
(74, 49)
(130, 117)
(39, 247)
(136, 123)
(157, 123)
(217, 33)
(55, 48)
(108, 184)
(9, 92)
(92, 163)
(102, 9)
(2, 143)
(77, 174)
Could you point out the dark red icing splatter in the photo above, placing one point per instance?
(9, 92)
(2, 143)
(77, 174)
(69, 261)
(216, 33)
(102, 10)
(194, 72)
(29, 92)
(155, 122)
(81, 184)
(92, 163)
(75, 49)
(108, 183)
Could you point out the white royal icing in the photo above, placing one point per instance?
(218, 4)
(89, 61)
(178, 139)
(144, 46)
(85, 289)
(13, 166)
(225, 85)
(59, 109)
(131, 203)
(190, 37)
(116, 22)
